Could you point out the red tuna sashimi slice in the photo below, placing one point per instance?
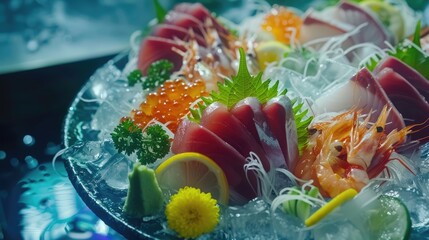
(185, 21)
(171, 32)
(192, 137)
(409, 102)
(315, 27)
(200, 12)
(154, 48)
(355, 15)
(279, 114)
(221, 122)
(407, 72)
(363, 92)
(244, 113)
(260, 124)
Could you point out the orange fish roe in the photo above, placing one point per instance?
(282, 23)
(169, 103)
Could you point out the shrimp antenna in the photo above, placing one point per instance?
(420, 124)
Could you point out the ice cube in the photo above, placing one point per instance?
(251, 221)
(91, 155)
(115, 173)
(119, 103)
(423, 162)
(334, 227)
(289, 227)
(102, 78)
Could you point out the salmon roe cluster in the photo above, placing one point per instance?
(170, 103)
(282, 23)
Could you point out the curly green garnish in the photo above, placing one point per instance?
(158, 73)
(134, 77)
(155, 144)
(127, 137)
(150, 145)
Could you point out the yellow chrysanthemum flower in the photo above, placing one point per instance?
(191, 212)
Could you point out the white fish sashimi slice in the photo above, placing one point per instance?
(361, 92)
(372, 31)
(316, 30)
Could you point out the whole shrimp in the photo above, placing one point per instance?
(346, 152)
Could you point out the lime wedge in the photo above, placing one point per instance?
(389, 219)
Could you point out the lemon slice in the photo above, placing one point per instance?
(390, 16)
(330, 206)
(270, 51)
(193, 170)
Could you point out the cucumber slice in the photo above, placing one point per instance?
(290, 205)
(297, 207)
(389, 219)
(303, 208)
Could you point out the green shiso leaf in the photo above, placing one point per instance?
(245, 85)
(160, 11)
(301, 122)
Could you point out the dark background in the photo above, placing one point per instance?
(34, 103)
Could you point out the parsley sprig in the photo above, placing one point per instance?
(156, 144)
(157, 73)
(127, 137)
(150, 145)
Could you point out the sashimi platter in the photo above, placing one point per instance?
(289, 124)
